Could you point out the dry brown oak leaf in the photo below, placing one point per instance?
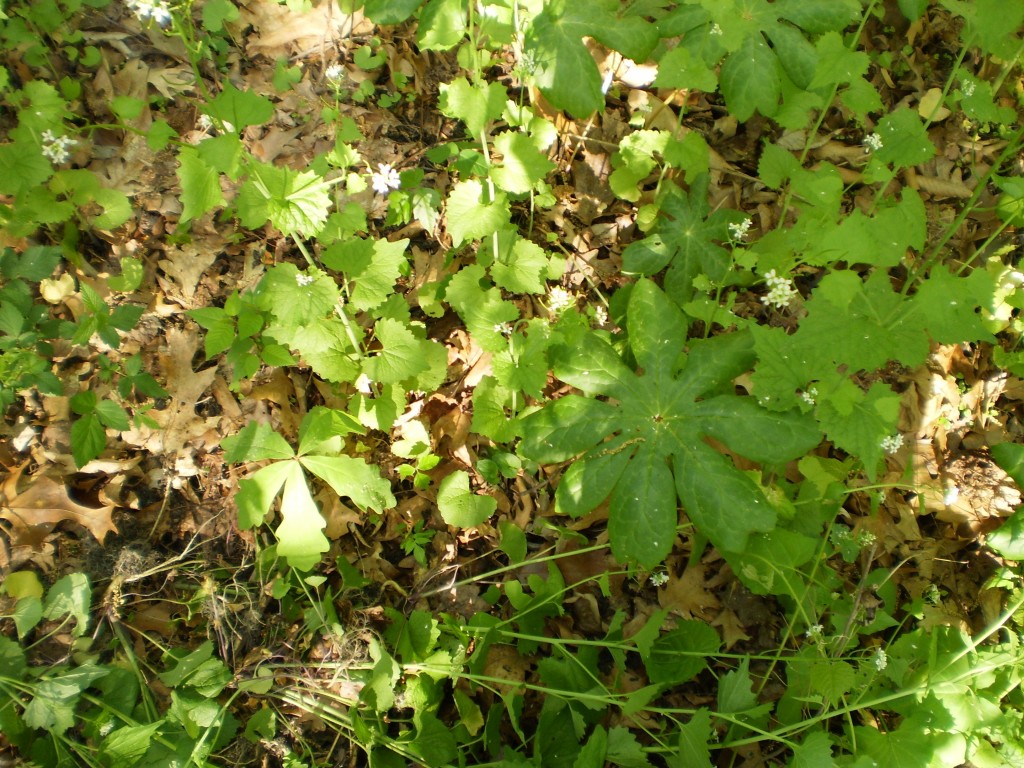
(34, 512)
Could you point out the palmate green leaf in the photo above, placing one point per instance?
(475, 105)
(750, 80)
(294, 305)
(522, 166)
(858, 421)
(658, 421)
(470, 216)
(905, 141)
(353, 478)
(255, 442)
(296, 202)
(53, 699)
(240, 108)
(257, 492)
(374, 266)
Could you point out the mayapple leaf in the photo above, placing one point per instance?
(322, 430)
(459, 506)
(255, 442)
(300, 537)
(353, 478)
(653, 426)
(257, 492)
(643, 528)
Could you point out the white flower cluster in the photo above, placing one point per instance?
(304, 280)
(385, 179)
(600, 315)
(659, 579)
(334, 73)
(815, 633)
(715, 30)
(739, 231)
(780, 291)
(872, 142)
(880, 660)
(157, 10)
(892, 443)
(559, 300)
(968, 88)
(57, 149)
(810, 396)
(505, 329)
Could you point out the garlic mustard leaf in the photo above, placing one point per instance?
(200, 185)
(480, 306)
(470, 216)
(459, 506)
(374, 265)
(325, 346)
(475, 105)
(238, 108)
(401, 357)
(442, 25)
(836, 64)
(521, 267)
(947, 305)
(492, 416)
(296, 202)
(857, 421)
(292, 301)
(658, 418)
(522, 166)
(524, 365)
(904, 139)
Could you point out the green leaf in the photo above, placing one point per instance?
(257, 492)
(459, 506)
(681, 654)
(433, 741)
(88, 439)
(401, 357)
(1008, 539)
(126, 746)
(390, 11)
(70, 596)
(564, 70)
(682, 68)
(442, 24)
(817, 16)
(470, 216)
(1010, 458)
(836, 64)
(480, 306)
(159, 135)
(624, 749)
(565, 428)
(643, 527)
(200, 185)
(947, 305)
(53, 699)
(130, 278)
(522, 167)
(112, 415)
(239, 108)
(296, 202)
(293, 305)
(255, 442)
(354, 478)
(905, 141)
(475, 105)
(521, 266)
(694, 737)
(815, 750)
(374, 265)
(216, 12)
(736, 690)
(300, 538)
(750, 79)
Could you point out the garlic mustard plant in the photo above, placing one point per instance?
(780, 291)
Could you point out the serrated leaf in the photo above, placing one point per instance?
(442, 24)
(255, 442)
(296, 202)
(682, 68)
(470, 216)
(905, 141)
(353, 478)
(200, 185)
(475, 105)
(239, 108)
(127, 745)
(521, 267)
(88, 439)
(401, 356)
(750, 79)
(374, 265)
(459, 506)
(480, 306)
(833, 679)
(947, 306)
(681, 654)
(817, 16)
(1008, 539)
(522, 166)
(70, 596)
(692, 749)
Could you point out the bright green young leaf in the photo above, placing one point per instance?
(442, 24)
(53, 699)
(216, 12)
(88, 439)
(200, 185)
(294, 301)
(353, 478)
(522, 167)
(836, 64)
(257, 492)
(682, 68)
(373, 264)
(239, 108)
(390, 11)
(947, 306)
(491, 405)
(858, 421)
(300, 538)
(625, 750)
(813, 751)
(480, 306)
(750, 80)
(70, 596)
(21, 584)
(470, 216)
(459, 506)
(524, 365)
(904, 139)
(475, 105)
(1008, 539)
(322, 430)
(296, 202)
(255, 442)
(222, 153)
(130, 278)
(521, 266)
(402, 356)
(659, 420)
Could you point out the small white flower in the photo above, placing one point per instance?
(600, 315)
(866, 538)
(559, 300)
(385, 179)
(505, 329)
(304, 280)
(157, 10)
(334, 73)
(56, 149)
(815, 633)
(892, 443)
(872, 142)
(951, 495)
(880, 660)
(659, 579)
(968, 88)
(363, 384)
(810, 396)
(715, 29)
(739, 231)
(780, 291)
